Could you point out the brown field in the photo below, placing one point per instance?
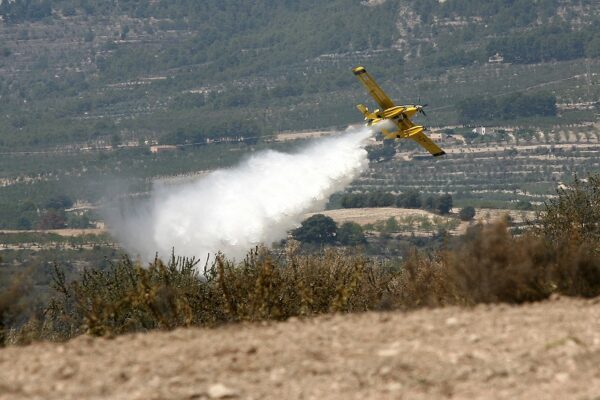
(547, 350)
(62, 232)
(365, 216)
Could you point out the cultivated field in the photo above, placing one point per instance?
(410, 220)
(490, 172)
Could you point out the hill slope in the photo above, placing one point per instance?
(541, 350)
(84, 70)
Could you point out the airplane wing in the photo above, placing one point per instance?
(373, 88)
(427, 143)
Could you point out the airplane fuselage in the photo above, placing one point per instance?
(396, 112)
(400, 116)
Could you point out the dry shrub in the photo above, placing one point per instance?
(422, 281)
(488, 265)
(10, 305)
(126, 298)
(576, 271)
(493, 266)
(574, 215)
(129, 297)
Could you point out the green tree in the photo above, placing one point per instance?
(52, 219)
(78, 221)
(59, 202)
(381, 153)
(409, 199)
(443, 204)
(351, 234)
(24, 223)
(318, 228)
(467, 213)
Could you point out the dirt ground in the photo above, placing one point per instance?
(61, 232)
(547, 350)
(365, 216)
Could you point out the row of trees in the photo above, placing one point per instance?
(441, 204)
(507, 107)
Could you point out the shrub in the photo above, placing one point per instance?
(351, 234)
(443, 204)
(129, 297)
(409, 199)
(574, 214)
(467, 213)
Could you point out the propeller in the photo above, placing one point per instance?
(420, 109)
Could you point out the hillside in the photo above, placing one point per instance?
(83, 71)
(542, 350)
(86, 87)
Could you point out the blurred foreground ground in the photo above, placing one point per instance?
(547, 350)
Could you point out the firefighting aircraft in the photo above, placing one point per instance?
(399, 115)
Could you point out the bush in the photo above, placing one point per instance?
(52, 219)
(59, 202)
(409, 199)
(351, 234)
(130, 298)
(443, 204)
(467, 213)
(574, 214)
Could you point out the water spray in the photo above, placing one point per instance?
(258, 201)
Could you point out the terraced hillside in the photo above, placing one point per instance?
(103, 73)
(489, 171)
(86, 87)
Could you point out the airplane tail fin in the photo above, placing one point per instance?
(363, 109)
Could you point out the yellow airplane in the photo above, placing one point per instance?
(399, 115)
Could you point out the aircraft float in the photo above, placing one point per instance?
(399, 115)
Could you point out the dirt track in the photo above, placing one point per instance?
(544, 351)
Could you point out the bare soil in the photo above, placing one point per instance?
(365, 216)
(547, 350)
(61, 232)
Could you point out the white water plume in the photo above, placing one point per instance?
(258, 201)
